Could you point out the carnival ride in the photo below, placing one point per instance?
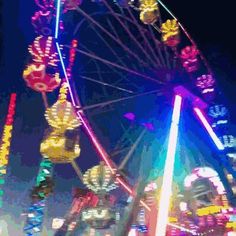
(119, 54)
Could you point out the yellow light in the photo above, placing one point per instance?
(99, 179)
(148, 11)
(61, 115)
(170, 31)
(54, 146)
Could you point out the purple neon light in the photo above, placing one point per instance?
(210, 131)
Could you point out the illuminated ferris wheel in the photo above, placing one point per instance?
(110, 59)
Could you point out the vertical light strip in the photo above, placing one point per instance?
(57, 18)
(164, 202)
(210, 131)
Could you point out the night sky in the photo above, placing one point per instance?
(211, 24)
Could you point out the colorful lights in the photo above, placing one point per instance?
(42, 22)
(170, 33)
(45, 5)
(61, 116)
(205, 83)
(43, 51)
(99, 179)
(189, 57)
(148, 11)
(36, 78)
(165, 194)
(210, 131)
(205, 172)
(35, 212)
(55, 147)
(6, 142)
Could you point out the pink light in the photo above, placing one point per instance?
(166, 189)
(208, 128)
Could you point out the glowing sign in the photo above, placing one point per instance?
(205, 172)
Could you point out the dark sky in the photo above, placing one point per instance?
(210, 23)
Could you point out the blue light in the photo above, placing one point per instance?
(57, 18)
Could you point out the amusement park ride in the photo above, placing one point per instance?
(123, 45)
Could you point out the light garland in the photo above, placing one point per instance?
(35, 211)
(6, 142)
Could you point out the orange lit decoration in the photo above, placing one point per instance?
(61, 116)
(36, 78)
(148, 11)
(170, 33)
(43, 51)
(59, 149)
(6, 141)
(189, 58)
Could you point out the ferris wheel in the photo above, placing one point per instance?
(112, 58)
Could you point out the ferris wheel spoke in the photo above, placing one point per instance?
(106, 84)
(105, 61)
(114, 85)
(157, 46)
(145, 39)
(77, 170)
(134, 66)
(102, 104)
(131, 150)
(117, 40)
(129, 33)
(108, 45)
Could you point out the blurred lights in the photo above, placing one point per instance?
(43, 51)
(210, 131)
(170, 33)
(6, 142)
(166, 189)
(205, 172)
(99, 179)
